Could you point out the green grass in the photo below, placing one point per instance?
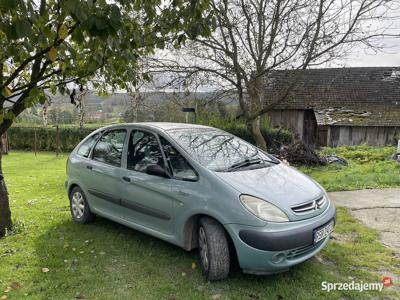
(105, 260)
(368, 168)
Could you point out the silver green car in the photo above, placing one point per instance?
(200, 187)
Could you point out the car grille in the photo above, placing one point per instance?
(309, 206)
(295, 253)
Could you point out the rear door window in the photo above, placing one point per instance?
(109, 148)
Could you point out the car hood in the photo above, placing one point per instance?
(279, 184)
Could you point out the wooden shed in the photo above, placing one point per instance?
(337, 106)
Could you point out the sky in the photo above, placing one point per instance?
(389, 57)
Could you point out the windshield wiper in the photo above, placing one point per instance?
(248, 162)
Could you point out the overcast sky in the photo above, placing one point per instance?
(366, 58)
(389, 56)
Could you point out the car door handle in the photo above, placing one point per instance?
(89, 167)
(182, 193)
(127, 179)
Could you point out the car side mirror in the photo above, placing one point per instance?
(156, 170)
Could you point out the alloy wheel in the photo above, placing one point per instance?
(77, 205)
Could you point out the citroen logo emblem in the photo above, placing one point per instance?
(316, 205)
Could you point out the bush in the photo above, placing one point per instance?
(275, 138)
(22, 138)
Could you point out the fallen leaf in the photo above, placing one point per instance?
(16, 285)
(7, 289)
(193, 265)
(183, 274)
(216, 296)
(102, 253)
(45, 270)
(4, 297)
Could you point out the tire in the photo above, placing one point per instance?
(79, 207)
(213, 249)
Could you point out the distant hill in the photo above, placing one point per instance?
(94, 102)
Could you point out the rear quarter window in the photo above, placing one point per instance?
(86, 147)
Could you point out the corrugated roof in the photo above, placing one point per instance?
(341, 96)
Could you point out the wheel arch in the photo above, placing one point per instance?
(71, 187)
(190, 234)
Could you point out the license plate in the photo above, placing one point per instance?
(323, 232)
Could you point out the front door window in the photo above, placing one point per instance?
(143, 151)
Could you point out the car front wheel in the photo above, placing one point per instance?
(80, 210)
(213, 249)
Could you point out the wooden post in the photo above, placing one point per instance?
(4, 143)
(35, 143)
(57, 140)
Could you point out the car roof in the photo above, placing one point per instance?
(164, 126)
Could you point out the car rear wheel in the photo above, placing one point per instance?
(79, 207)
(213, 249)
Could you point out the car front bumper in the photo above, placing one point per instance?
(278, 246)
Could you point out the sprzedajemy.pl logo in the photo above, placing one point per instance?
(360, 286)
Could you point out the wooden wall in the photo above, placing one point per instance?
(357, 135)
(292, 120)
(303, 125)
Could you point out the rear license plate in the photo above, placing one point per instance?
(323, 232)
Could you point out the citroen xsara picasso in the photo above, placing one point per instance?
(200, 187)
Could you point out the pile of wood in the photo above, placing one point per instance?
(300, 153)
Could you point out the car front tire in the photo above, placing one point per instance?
(213, 249)
(79, 207)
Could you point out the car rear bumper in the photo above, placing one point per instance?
(276, 247)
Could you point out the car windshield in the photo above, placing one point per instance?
(218, 150)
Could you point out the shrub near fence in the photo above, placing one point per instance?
(22, 138)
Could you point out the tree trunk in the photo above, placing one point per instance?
(254, 128)
(255, 91)
(5, 213)
(45, 110)
(81, 115)
(82, 108)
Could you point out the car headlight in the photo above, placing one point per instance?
(263, 209)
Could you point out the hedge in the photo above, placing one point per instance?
(22, 138)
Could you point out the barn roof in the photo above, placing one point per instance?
(340, 96)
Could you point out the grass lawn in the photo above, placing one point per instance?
(368, 168)
(51, 257)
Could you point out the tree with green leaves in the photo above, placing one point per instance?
(58, 45)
